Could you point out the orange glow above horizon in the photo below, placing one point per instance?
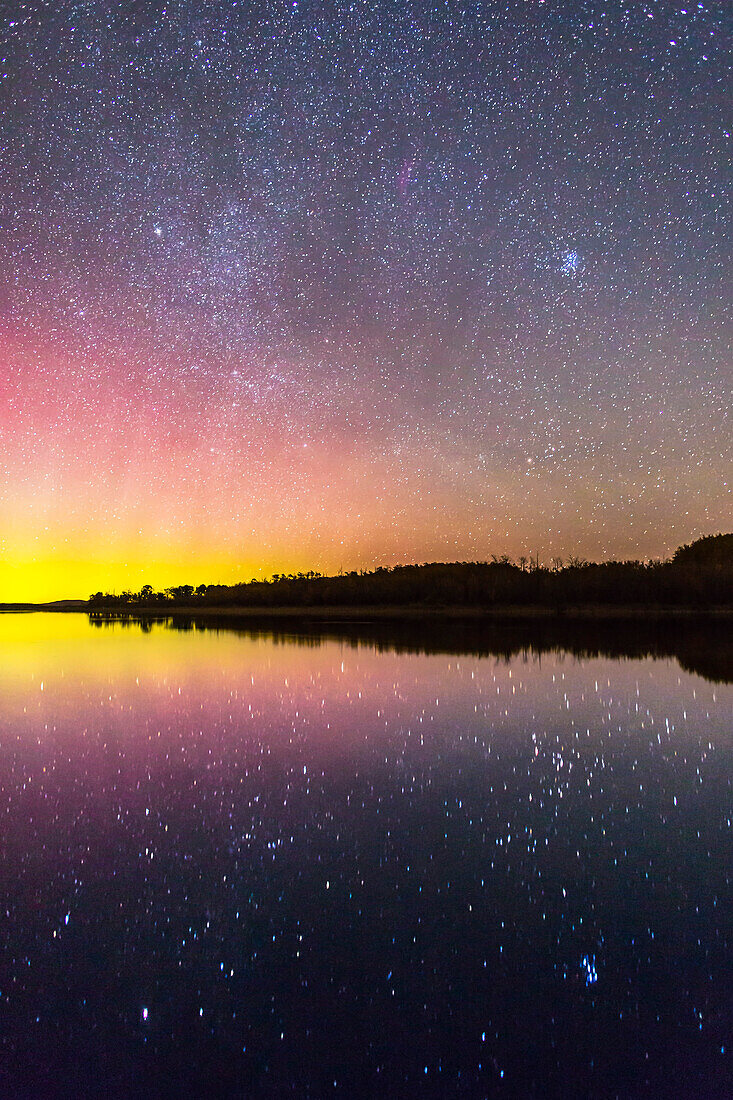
(142, 478)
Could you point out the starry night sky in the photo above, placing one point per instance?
(309, 285)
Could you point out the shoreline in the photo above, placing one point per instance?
(367, 613)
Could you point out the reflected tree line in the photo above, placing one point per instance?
(704, 647)
(699, 575)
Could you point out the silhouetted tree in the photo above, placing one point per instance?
(700, 575)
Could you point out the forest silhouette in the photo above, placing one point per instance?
(699, 576)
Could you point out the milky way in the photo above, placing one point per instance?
(313, 285)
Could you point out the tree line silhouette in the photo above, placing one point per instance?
(699, 575)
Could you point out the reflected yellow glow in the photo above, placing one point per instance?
(53, 647)
(65, 681)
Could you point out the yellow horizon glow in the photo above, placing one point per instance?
(44, 580)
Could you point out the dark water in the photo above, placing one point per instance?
(365, 862)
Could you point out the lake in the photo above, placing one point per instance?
(365, 860)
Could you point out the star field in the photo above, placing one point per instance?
(294, 285)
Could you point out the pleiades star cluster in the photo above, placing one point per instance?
(310, 285)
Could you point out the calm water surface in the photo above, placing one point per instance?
(241, 865)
